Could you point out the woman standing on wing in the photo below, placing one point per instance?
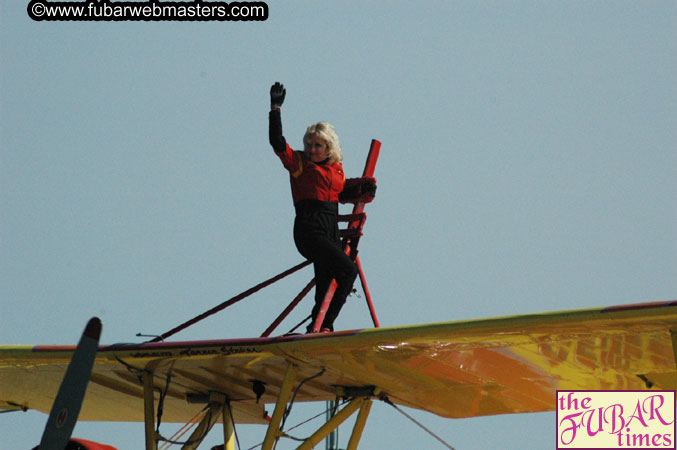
(317, 185)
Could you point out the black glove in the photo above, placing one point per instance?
(369, 187)
(277, 93)
(358, 190)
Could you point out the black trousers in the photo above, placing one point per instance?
(317, 238)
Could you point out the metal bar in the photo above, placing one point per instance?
(325, 306)
(300, 323)
(358, 210)
(228, 427)
(289, 308)
(229, 302)
(358, 428)
(272, 433)
(367, 295)
(372, 158)
(368, 171)
(206, 424)
(149, 411)
(332, 424)
(331, 441)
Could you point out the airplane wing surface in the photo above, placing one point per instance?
(454, 369)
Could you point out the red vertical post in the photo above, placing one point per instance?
(367, 295)
(369, 167)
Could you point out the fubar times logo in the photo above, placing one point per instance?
(615, 420)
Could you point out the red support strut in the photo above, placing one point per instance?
(351, 245)
(289, 308)
(351, 237)
(366, 292)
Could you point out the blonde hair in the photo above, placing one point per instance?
(327, 132)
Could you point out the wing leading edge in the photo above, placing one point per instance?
(453, 369)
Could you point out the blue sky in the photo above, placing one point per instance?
(528, 165)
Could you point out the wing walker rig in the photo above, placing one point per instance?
(350, 238)
(219, 403)
(472, 368)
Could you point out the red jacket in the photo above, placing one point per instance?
(310, 180)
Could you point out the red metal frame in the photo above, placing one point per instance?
(289, 308)
(351, 236)
(366, 292)
(229, 302)
(351, 243)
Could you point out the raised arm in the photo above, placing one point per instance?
(277, 141)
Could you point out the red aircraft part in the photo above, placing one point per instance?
(358, 210)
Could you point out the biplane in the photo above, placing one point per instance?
(507, 365)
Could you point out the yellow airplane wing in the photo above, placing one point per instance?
(455, 369)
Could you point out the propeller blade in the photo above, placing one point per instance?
(66, 407)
